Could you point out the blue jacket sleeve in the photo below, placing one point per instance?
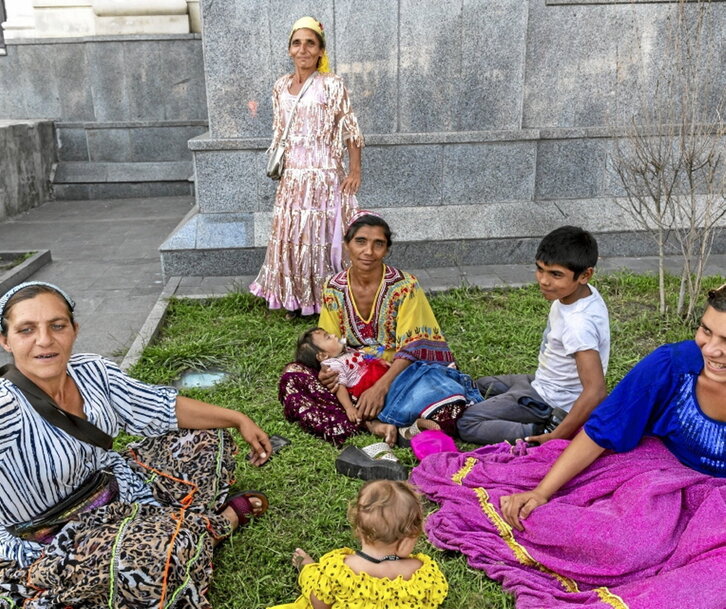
(628, 413)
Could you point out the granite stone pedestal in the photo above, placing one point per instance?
(487, 124)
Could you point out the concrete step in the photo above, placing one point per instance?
(105, 180)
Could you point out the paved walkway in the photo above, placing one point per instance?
(105, 254)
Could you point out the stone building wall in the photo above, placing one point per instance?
(26, 165)
(487, 123)
(124, 108)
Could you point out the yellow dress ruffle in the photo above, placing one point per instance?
(335, 584)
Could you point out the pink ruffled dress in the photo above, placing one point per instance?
(310, 209)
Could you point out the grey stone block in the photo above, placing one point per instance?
(366, 37)
(184, 94)
(400, 176)
(570, 169)
(70, 71)
(72, 145)
(33, 95)
(489, 172)
(226, 181)
(109, 145)
(121, 190)
(493, 43)
(108, 81)
(151, 79)
(125, 190)
(71, 192)
(427, 92)
(162, 171)
(225, 231)
(163, 143)
(211, 262)
(28, 154)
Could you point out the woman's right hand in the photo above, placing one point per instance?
(329, 378)
(517, 507)
(372, 400)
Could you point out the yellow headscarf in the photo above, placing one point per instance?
(313, 24)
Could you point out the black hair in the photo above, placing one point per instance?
(717, 298)
(307, 351)
(368, 220)
(27, 294)
(569, 246)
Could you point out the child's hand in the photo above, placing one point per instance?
(540, 439)
(300, 558)
(352, 413)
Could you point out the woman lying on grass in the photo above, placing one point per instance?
(629, 514)
(85, 526)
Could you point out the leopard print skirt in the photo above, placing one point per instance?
(137, 556)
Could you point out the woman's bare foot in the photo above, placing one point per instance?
(383, 430)
(300, 558)
(231, 515)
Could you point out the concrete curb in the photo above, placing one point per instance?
(151, 326)
(25, 269)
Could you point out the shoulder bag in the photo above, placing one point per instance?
(276, 162)
(100, 488)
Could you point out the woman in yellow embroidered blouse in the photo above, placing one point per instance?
(377, 309)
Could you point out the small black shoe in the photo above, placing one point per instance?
(353, 462)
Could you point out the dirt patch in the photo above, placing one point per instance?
(13, 259)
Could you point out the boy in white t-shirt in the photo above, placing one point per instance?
(570, 379)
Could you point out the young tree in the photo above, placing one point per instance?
(671, 160)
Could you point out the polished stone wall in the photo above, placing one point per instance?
(27, 158)
(117, 99)
(484, 121)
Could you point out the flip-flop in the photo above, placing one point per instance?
(243, 508)
(374, 462)
(403, 439)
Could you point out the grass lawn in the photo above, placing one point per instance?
(490, 332)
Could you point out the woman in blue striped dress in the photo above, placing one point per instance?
(143, 522)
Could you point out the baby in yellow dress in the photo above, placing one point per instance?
(387, 518)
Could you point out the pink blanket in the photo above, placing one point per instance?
(635, 530)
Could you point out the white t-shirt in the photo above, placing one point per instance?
(579, 326)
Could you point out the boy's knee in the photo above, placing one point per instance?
(470, 421)
(490, 385)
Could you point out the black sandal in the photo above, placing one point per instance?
(377, 463)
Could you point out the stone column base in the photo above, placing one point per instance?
(141, 17)
(63, 18)
(168, 24)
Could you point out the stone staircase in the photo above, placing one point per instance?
(115, 180)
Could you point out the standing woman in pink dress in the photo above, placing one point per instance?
(315, 197)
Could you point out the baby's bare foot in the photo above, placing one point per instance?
(300, 558)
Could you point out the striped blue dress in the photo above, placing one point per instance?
(40, 464)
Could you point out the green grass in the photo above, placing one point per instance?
(490, 332)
